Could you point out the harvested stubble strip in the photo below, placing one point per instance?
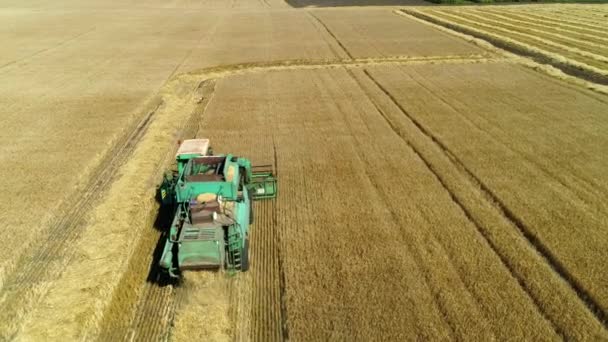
(549, 33)
(594, 78)
(590, 58)
(472, 37)
(551, 19)
(580, 17)
(240, 135)
(573, 31)
(80, 298)
(204, 313)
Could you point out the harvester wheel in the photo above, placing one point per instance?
(245, 256)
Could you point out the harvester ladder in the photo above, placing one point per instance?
(234, 251)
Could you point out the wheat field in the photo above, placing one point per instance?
(442, 170)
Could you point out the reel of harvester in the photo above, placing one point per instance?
(211, 197)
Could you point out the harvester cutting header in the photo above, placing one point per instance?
(211, 196)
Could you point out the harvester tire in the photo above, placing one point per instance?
(245, 256)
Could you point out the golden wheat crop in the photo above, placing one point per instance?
(430, 187)
(374, 214)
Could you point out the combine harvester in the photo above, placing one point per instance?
(211, 197)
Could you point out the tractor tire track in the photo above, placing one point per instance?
(50, 48)
(153, 296)
(394, 217)
(24, 287)
(534, 242)
(332, 35)
(442, 309)
(478, 226)
(281, 265)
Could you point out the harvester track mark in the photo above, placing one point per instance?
(152, 325)
(50, 48)
(332, 44)
(52, 252)
(279, 245)
(344, 49)
(456, 200)
(207, 34)
(535, 243)
(282, 286)
(416, 253)
(569, 67)
(583, 190)
(153, 296)
(418, 258)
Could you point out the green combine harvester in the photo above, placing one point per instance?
(211, 197)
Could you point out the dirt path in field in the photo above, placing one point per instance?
(385, 226)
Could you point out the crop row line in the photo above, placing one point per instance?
(550, 36)
(593, 306)
(332, 35)
(435, 292)
(563, 17)
(535, 22)
(452, 195)
(540, 40)
(568, 66)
